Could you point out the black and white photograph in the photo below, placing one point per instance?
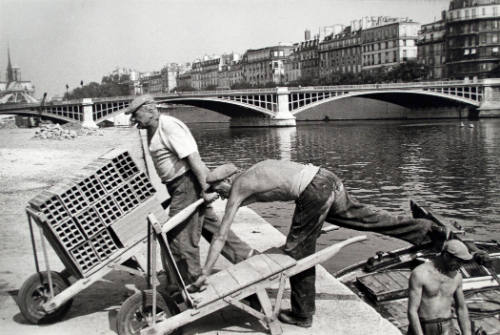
(250, 167)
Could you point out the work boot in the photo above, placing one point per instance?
(287, 316)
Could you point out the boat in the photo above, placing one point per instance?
(382, 280)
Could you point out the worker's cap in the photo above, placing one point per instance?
(457, 249)
(138, 103)
(221, 172)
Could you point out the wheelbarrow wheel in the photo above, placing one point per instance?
(35, 291)
(136, 312)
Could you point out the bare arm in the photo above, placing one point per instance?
(414, 299)
(236, 197)
(462, 312)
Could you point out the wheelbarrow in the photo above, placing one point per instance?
(46, 296)
(154, 312)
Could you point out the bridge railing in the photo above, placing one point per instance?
(225, 92)
(388, 86)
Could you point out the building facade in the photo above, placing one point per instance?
(265, 65)
(307, 54)
(151, 82)
(472, 39)
(184, 80)
(291, 65)
(389, 42)
(431, 48)
(340, 53)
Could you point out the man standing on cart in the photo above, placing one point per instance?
(319, 196)
(179, 166)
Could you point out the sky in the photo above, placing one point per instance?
(59, 42)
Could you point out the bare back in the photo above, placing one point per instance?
(269, 180)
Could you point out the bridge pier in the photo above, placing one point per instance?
(490, 105)
(282, 118)
(88, 119)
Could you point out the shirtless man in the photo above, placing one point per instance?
(319, 195)
(433, 288)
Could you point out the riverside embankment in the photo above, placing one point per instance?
(30, 165)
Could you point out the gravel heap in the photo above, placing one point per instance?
(66, 132)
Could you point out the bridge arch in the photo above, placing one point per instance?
(44, 114)
(393, 96)
(226, 107)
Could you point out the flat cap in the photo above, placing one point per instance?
(457, 249)
(138, 102)
(221, 173)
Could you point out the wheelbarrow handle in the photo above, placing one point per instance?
(181, 216)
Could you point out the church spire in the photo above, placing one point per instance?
(10, 71)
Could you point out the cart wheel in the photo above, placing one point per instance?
(136, 313)
(35, 292)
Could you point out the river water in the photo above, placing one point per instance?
(452, 169)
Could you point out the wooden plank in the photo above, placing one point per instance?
(244, 274)
(272, 322)
(241, 275)
(273, 265)
(400, 279)
(371, 283)
(282, 260)
(205, 297)
(263, 265)
(223, 283)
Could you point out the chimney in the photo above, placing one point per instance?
(307, 35)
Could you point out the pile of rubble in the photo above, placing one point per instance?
(66, 132)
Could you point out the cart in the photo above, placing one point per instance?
(96, 222)
(155, 312)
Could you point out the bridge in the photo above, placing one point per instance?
(277, 107)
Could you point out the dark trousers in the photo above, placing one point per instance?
(185, 238)
(436, 327)
(326, 199)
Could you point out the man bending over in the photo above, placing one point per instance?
(319, 195)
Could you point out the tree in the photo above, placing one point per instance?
(110, 86)
(184, 88)
(242, 85)
(408, 71)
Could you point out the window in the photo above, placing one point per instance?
(472, 51)
(494, 50)
(466, 51)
